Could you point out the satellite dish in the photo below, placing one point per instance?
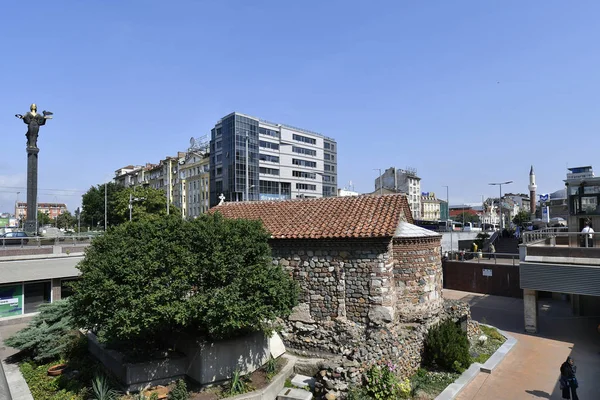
(192, 142)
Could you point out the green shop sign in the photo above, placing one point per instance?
(11, 300)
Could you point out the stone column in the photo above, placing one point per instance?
(56, 289)
(530, 310)
(32, 179)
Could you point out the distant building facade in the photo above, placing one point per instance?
(52, 209)
(405, 181)
(430, 207)
(345, 192)
(193, 183)
(253, 159)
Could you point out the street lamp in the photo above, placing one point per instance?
(448, 215)
(500, 201)
(131, 200)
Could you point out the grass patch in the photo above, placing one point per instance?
(431, 383)
(481, 352)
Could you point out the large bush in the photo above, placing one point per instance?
(49, 334)
(447, 347)
(144, 280)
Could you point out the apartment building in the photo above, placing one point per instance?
(253, 159)
(430, 207)
(192, 187)
(405, 181)
(52, 209)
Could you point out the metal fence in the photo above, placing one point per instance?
(550, 236)
(41, 241)
(485, 257)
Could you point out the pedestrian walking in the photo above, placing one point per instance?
(568, 381)
(587, 239)
(492, 251)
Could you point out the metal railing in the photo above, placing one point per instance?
(484, 257)
(39, 241)
(550, 236)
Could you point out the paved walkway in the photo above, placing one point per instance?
(6, 332)
(531, 369)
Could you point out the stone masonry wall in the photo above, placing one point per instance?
(365, 300)
(338, 278)
(418, 278)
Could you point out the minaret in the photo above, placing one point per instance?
(532, 188)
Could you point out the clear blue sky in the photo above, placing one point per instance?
(466, 92)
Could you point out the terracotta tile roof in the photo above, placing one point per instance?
(330, 217)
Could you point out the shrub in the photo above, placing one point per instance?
(102, 390)
(238, 386)
(49, 334)
(383, 383)
(179, 392)
(44, 387)
(446, 347)
(145, 280)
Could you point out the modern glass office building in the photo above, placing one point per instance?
(253, 159)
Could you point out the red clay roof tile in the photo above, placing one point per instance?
(330, 217)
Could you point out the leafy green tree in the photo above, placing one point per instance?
(66, 220)
(522, 218)
(92, 203)
(211, 276)
(44, 219)
(147, 203)
(48, 335)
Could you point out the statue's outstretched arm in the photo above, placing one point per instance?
(19, 116)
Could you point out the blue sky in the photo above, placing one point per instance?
(466, 92)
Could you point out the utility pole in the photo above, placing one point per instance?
(78, 212)
(105, 206)
(247, 172)
(500, 202)
(130, 206)
(448, 216)
(168, 184)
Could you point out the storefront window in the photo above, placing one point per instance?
(36, 294)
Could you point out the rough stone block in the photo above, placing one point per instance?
(302, 381)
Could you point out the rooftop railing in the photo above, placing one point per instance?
(560, 237)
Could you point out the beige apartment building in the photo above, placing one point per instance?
(430, 207)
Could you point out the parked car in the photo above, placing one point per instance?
(14, 238)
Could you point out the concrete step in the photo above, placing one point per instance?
(302, 381)
(294, 394)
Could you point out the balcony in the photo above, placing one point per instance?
(557, 260)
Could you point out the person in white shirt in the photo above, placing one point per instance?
(587, 240)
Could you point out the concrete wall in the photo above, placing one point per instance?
(134, 377)
(468, 277)
(456, 236)
(202, 361)
(214, 362)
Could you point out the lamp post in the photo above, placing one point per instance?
(380, 180)
(500, 201)
(448, 215)
(247, 186)
(131, 200)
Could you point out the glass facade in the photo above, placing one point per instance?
(235, 134)
(584, 200)
(35, 294)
